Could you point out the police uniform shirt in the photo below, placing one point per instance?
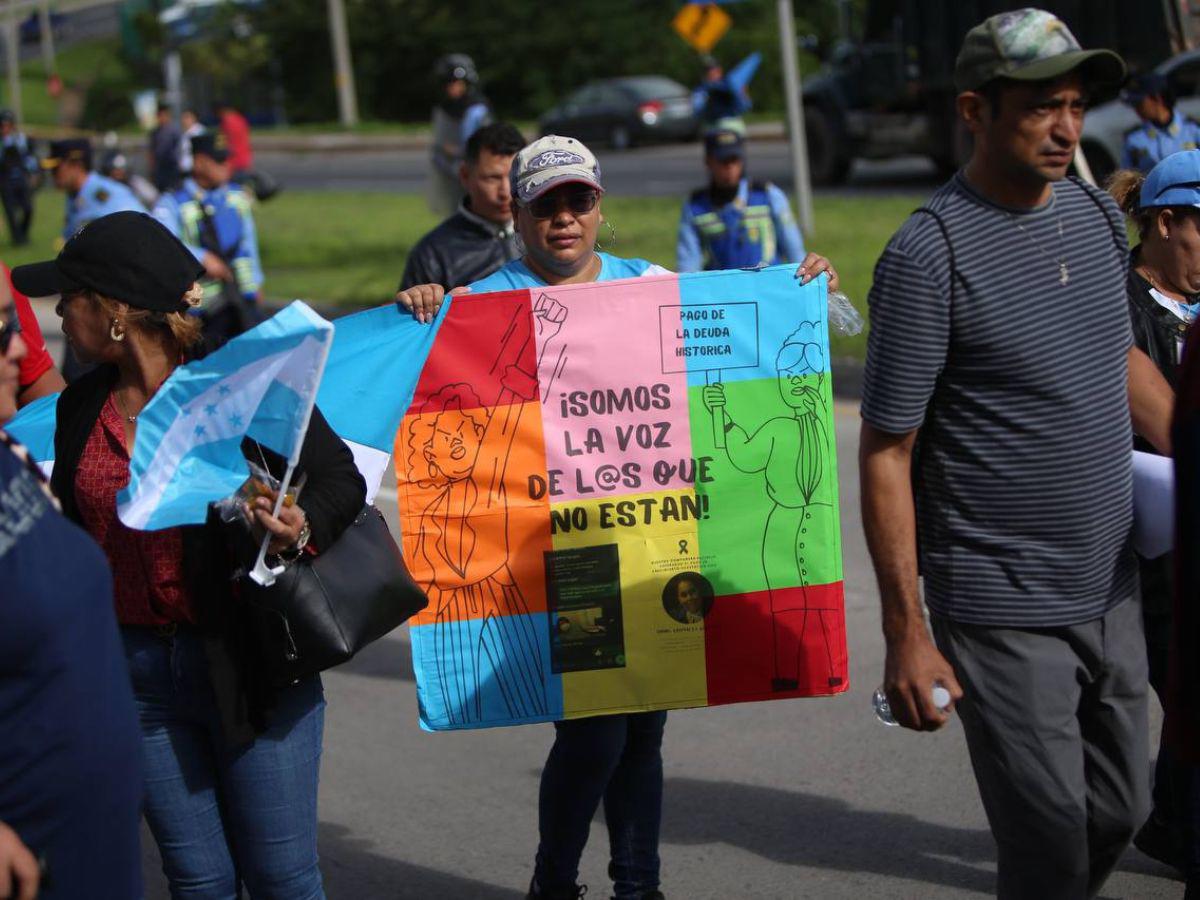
(766, 230)
(229, 207)
(98, 197)
(1148, 143)
(17, 162)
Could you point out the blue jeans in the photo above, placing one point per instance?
(617, 759)
(223, 816)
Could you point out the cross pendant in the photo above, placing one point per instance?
(1064, 275)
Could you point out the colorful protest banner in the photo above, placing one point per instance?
(622, 496)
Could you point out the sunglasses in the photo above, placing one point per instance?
(10, 327)
(578, 202)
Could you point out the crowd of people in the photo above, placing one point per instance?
(1019, 350)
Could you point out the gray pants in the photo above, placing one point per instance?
(1056, 725)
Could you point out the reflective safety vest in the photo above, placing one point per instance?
(735, 236)
(228, 209)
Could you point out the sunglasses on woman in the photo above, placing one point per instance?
(579, 203)
(10, 327)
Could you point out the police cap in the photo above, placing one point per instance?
(70, 150)
(211, 144)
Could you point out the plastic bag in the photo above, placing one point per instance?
(261, 483)
(843, 317)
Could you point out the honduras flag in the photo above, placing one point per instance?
(187, 453)
(370, 377)
(370, 380)
(33, 428)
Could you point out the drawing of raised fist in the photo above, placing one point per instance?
(548, 317)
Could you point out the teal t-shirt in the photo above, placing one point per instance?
(514, 275)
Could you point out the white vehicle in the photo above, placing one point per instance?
(1106, 125)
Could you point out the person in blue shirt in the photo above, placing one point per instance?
(1164, 130)
(17, 164)
(213, 217)
(734, 222)
(89, 194)
(556, 191)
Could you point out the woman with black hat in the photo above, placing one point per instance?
(231, 764)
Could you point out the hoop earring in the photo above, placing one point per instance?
(113, 333)
(612, 236)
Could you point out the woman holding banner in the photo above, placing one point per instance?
(618, 759)
(231, 764)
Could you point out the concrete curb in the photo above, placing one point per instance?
(349, 142)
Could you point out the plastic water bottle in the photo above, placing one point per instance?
(883, 710)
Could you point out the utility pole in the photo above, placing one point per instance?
(47, 29)
(343, 76)
(795, 115)
(12, 56)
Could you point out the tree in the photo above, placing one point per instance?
(529, 54)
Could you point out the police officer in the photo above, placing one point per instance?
(17, 164)
(459, 112)
(212, 216)
(90, 195)
(734, 222)
(1163, 131)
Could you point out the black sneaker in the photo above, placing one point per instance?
(572, 893)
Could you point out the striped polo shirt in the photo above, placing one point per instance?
(1017, 383)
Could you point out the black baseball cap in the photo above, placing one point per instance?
(212, 144)
(724, 143)
(126, 256)
(69, 150)
(1147, 84)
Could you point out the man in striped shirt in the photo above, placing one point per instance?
(1000, 383)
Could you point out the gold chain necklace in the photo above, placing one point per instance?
(1064, 271)
(132, 420)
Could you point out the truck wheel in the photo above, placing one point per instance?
(828, 161)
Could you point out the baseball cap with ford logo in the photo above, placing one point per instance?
(1030, 45)
(552, 161)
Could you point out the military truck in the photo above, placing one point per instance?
(887, 88)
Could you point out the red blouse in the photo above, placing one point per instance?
(147, 566)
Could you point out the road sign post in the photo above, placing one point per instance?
(795, 115)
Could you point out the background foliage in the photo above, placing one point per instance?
(530, 54)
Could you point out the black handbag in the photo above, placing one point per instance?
(323, 609)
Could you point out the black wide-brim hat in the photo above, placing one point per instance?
(125, 256)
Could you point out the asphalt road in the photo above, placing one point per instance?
(670, 170)
(790, 799)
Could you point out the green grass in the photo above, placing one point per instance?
(348, 249)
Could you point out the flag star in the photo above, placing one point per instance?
(211, 409)
(235, 420)
(201, 431)
(223, 390)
